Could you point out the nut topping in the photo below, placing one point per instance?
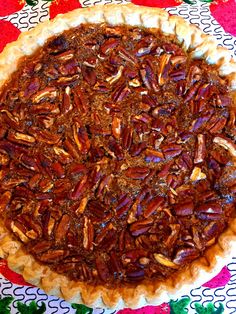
(21, 138)
(165, 261)
(226, 144)
(200, 151)
(163, 63)
(49, 92)
(197, 174)
(88, 233)
(4, 200)
(140, 227)
(116, 127)
(116, 155)
(62, 228)
(184, 209)
(137, 173)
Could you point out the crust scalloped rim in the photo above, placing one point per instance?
(199, 271)
(192, 38)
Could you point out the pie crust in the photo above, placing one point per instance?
(156, 292)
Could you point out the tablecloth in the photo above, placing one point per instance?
(217, 18)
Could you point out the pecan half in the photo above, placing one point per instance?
(165, 58)
(80, 188)
(197, 174)
(226, 144)
(137, 173)
(88, 234)
(52, 256)
(62, 228)
(184, 209)
(155, 204)
(200, 151)
(21, 138)
(48, 92)
(116, 127)
(4, 200)
(140, 227)
(161, 259)
(185, 255)
(153, 155)
(102, 268)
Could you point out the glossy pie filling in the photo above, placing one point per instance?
(116, 155)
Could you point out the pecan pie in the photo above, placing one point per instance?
(117, 155)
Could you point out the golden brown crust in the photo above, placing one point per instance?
(200, 45)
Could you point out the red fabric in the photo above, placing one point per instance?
(8, 33)
(158, 3)
(220, 280)
(161, 309)
(11, 275)
(8, 7)
(225, 14)
(63, 6)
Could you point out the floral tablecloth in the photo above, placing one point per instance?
(216, 296)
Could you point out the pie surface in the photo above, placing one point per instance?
(117, 155)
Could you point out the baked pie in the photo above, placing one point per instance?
(117, 156)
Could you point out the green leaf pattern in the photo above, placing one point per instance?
(81, 309)
(32, 2)
(179, 306)
(209, 309)
(176, 307)
(4, 305)
(32, 308)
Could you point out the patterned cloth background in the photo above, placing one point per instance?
(218, 296)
